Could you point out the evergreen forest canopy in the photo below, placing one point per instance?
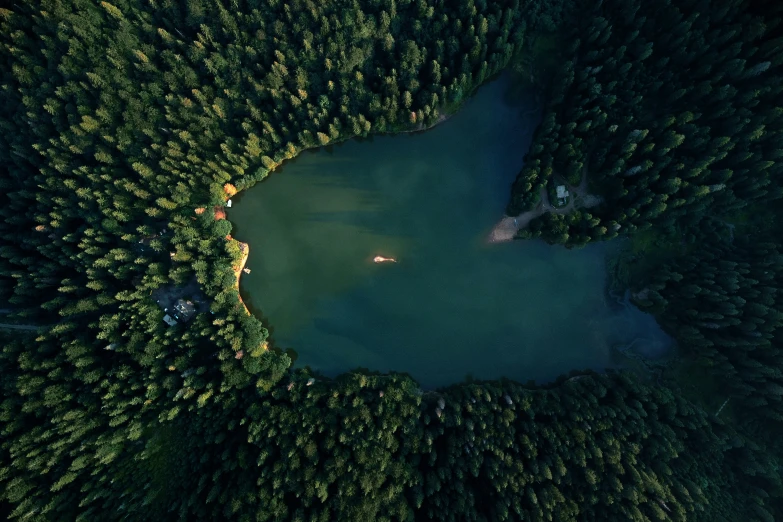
(121, 122)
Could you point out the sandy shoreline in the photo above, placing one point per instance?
(245, 249)
(506, 229)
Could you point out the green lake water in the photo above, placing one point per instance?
(453, 305)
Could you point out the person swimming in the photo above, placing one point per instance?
(381, 259)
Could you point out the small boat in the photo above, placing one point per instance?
(381, 259)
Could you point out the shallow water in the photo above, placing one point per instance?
(453, 305)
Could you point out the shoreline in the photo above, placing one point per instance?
(245, 249)
(441, 118)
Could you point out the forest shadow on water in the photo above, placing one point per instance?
(453, 305)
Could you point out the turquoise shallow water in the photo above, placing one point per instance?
(453, 305)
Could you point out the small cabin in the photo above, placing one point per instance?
(562, 194)
(169, 320)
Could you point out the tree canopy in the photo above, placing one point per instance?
(125, 127)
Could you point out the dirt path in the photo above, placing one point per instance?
(507, 228)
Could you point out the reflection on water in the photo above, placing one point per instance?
(452, 304)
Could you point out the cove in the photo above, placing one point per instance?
(453, 305)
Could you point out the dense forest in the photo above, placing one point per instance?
(672, 108)
(724, 303)
(123, 121)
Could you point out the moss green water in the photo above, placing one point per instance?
(453, 305)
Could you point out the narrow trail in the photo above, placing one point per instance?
(21, 326)
(6, 326)
(507, 228)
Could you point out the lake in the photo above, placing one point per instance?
(453, 305)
